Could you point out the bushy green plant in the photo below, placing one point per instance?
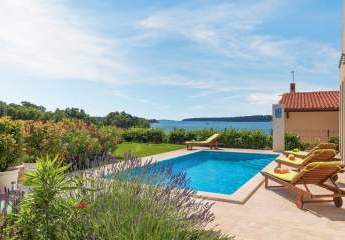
(254, 139)
(10, 151)
(47, 211)
(109, 137)
(334, 140)
(144, 135)
(293, 141)
(178, 136)
(11, 144)
(42, 139)
(81, 145)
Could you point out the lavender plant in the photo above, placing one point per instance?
(139, 201)
(128, 199)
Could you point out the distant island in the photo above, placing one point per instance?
(253, 118)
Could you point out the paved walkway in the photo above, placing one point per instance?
(272, 214)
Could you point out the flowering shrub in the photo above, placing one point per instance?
(48, 211)
(42, 139)
(109, 137)
(10, 151)
(74, 206)
(74, 141)
(11, 144)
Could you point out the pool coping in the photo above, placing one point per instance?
(241, 195)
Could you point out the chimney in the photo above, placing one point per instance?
(292, 87)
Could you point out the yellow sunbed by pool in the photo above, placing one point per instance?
(212, 142)
(302, 154)
(320, 155)
(316, 173)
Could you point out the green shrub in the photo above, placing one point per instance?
(80, 145)
(42, 139)
(144, 135)
(293, 141)
(254, 139)
(109, 137)
(10, 151)
(48, 211)
(11, 143)
(179, 135)
(334, 140)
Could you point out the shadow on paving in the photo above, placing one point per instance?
(327, 210)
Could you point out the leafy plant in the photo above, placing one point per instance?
(42, 139)
(293, 141)
(42, 213)
(10, 151)
(144, 135)
(334, 140)
(11, 144)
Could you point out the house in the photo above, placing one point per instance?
(314, 116)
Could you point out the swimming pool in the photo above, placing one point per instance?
(217, 172)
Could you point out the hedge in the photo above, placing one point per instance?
(229, 137)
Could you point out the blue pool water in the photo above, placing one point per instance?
(217, 172)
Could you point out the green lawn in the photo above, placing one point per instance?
(144, 149)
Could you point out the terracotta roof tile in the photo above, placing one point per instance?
(311, 101)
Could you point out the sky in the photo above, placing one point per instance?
(168, 59)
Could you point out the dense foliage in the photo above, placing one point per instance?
(30, 111)
(11, 142)
(65, 206)
(293, 141)
(74, 141)
(229, 137)
(144, 135)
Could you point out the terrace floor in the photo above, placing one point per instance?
(272, 214)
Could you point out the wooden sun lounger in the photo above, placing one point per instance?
(317, 173)
(321, 155)
(303, 154)
(211, 142)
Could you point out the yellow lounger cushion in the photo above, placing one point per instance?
(299, 153)
(296, 161)
(284, 176)
(208, 140)
(316, 156)
(323, 164)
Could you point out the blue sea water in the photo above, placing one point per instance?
(169, 125)
(216, 172)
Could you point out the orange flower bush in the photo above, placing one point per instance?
(74, 141)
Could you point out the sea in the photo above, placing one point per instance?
(168, 125)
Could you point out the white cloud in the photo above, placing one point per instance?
(47, 39)
(231, 30)
(263, 99)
